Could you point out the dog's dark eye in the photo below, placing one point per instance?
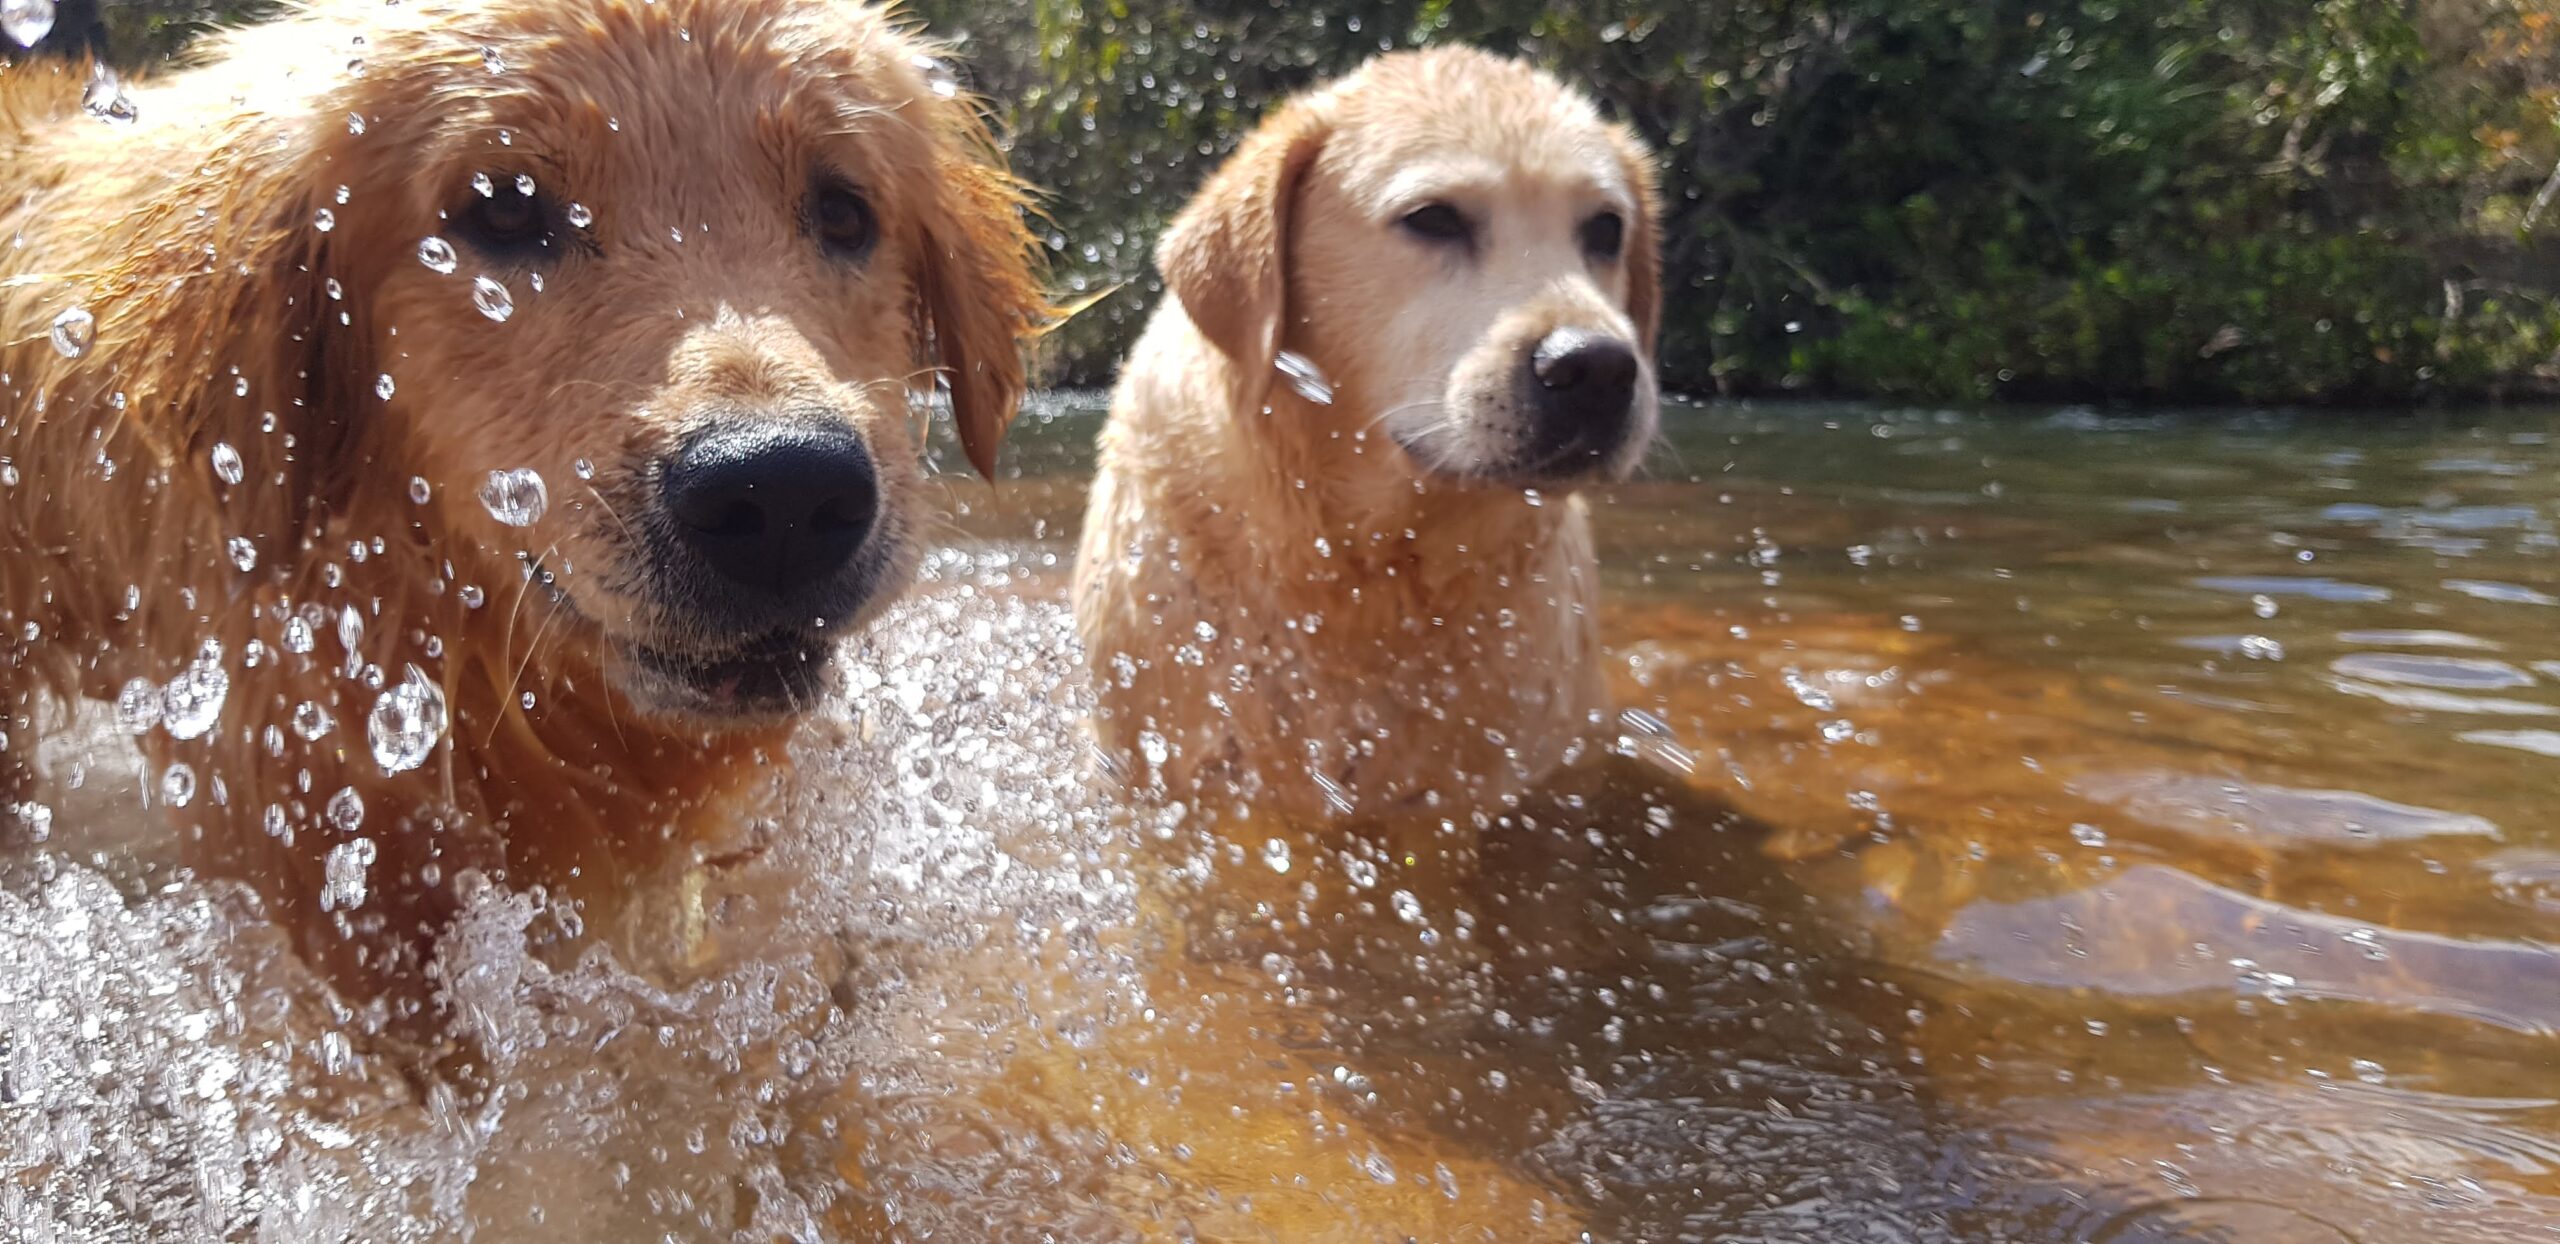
(842, 219)
(1604, 236)
(506, 220)
(1438, 222)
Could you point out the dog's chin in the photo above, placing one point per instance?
(1465, 457)
(769, 681)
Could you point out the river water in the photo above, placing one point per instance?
(2026, 826)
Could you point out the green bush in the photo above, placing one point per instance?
(2189, 200)
(2171, 200)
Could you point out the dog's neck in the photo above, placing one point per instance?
(1378, 523)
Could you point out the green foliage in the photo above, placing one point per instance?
(2232, 200)
(2252, 200)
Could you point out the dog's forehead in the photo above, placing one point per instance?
(1416, 124)
(700, 90)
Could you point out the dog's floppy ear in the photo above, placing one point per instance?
(1644, 237)
(217, 336)
(1226, 256)
(979, 283)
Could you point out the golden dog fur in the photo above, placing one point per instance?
(1316, 596)
(249, 249)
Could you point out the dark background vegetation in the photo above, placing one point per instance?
(2172, 200)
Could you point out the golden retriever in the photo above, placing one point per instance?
(1335, 556)
(457, 432)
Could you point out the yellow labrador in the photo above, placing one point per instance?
(1335, 559)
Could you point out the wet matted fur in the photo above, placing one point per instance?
(1373, 586)
(262, 467)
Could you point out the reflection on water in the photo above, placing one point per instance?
(2083, 828)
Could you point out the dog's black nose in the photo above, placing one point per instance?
(1585, 396)
(1586, 375)
(779, 507)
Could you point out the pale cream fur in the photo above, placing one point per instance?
(1308, 601)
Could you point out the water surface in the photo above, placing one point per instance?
(2030, 826)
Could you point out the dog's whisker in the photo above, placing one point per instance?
(616, 515)
(506, 645)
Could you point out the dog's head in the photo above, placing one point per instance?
(1460, 248)
(622, 305)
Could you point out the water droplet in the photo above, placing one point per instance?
(481, 182)
(73, 330)
(1408, 908)
(1276, 854)
(383, 388)
(420, 490)
(472, 596)
(1304, 376)
(580, 216)
(192, 701)
(583, 468)
(243, 553)
(324, 220)
(345, 811)
(492, 61)
(344, 889)
(178, 785)
(1378, 1168)
(437, 254)
(524, 184)
(297, 635)
(226, 463)
(938, 77)
(1363, 873)
(138, 707)
(407, 723)
(26, 21)
(34, 819)
(350, 629)
(492, 299)
(311, 721)
(516, 498)
(104, 98)
(2088, 835)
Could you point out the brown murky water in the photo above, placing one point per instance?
(2029, 827)
(2088, 828)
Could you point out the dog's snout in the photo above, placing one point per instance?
(1583, 388)
(1586, 375)
(775, 508)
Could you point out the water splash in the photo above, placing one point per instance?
(407, 723)
(104, 98)
(192, 702)
(492, 299)
(345, 886)
(73, 331)
(939, 77)
(438, 256)
(26, 21)
(1304, 376)
(517, 498)
(138, 707)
